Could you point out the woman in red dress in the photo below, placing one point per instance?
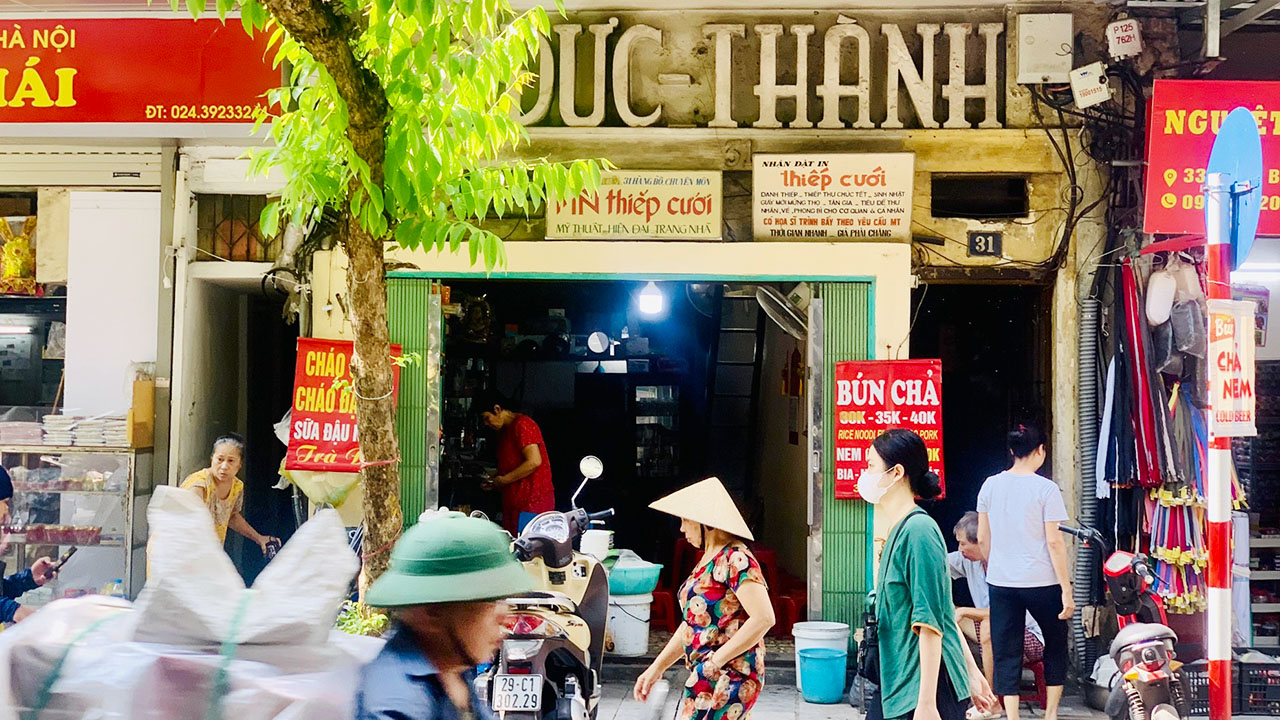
(524, 470)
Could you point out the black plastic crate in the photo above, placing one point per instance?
(1259, 691)
(1197, 677)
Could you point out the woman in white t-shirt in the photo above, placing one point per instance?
(1018, 515)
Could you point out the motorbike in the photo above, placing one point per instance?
(549, 665)
(1151, 684)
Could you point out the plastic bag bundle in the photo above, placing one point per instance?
(1190, 328)
(198, 644)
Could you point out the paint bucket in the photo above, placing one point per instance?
(627, 634)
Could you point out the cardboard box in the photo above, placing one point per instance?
(142, 416)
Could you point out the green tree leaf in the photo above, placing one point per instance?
(269, 220)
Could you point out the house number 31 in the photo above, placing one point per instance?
(985, 243)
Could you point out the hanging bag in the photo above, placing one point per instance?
(869, 645)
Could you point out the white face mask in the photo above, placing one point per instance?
(869, 486)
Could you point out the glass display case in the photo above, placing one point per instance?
(92, 498)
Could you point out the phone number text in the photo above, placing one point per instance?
(204, 112)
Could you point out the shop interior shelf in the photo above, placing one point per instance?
(1266, 607)
(1265, 542)
(1264, 575)
(1266, 641)
(61, 449)
(46, 491)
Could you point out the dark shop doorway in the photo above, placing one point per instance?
(995, 343)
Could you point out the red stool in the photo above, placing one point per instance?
(663, 611)
(683, 559)
(768, 560)
(785, 614)
(1040, 694)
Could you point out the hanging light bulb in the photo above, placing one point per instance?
(651, 300)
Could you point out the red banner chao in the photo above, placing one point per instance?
(132, 70)
(872, 397)
(1185, 117)
(322, 425)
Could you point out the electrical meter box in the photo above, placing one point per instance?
(1046, 48)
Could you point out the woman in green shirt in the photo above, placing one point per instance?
(926, 669)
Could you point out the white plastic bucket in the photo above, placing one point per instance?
(596, 543)
(812, 635)
(627, 634)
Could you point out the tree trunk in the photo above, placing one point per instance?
(375, 401)
(328, 34)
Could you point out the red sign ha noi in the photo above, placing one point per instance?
(132, 70)
(322, 424)
(872, 397)
(1185, 117)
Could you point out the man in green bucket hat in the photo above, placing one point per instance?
(446, 587)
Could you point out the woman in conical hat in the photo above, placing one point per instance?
(726, 610)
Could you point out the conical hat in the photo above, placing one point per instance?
(708, 503)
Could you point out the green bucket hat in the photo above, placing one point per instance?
(450, 558)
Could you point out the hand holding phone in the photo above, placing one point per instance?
(65, 557)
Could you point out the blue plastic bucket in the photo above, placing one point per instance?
(822, 673)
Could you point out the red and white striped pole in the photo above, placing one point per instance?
(1218, 469)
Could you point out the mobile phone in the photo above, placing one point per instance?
(65, 557)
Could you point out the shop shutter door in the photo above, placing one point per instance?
(30, 166)
(414, 319)
(846, 524)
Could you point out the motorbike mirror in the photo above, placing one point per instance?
(591, 467)
(479, 514)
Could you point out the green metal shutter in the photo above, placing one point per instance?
(846, 524)
(410, 320)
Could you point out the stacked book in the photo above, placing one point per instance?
(59, 429)
(21, 433)
(102, 431)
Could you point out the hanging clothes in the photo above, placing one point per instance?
(1149, 460)
(1102, 485)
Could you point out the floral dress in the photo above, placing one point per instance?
(713, 614)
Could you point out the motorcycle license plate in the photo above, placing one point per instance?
(517, 692)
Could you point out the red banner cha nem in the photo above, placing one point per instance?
(132, 70)
(322, 425)
(872, 397)
(1184, 121)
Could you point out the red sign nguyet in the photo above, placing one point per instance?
(1184, 121)
(872, 397)
(132, 70)
(322, 424)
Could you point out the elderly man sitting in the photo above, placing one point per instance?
(969, 563)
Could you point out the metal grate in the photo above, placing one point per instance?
(227, 229)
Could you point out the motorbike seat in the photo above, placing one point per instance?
(544, 599)
(1141, 633)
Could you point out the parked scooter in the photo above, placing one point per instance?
(549, 664)
(1151, 684)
